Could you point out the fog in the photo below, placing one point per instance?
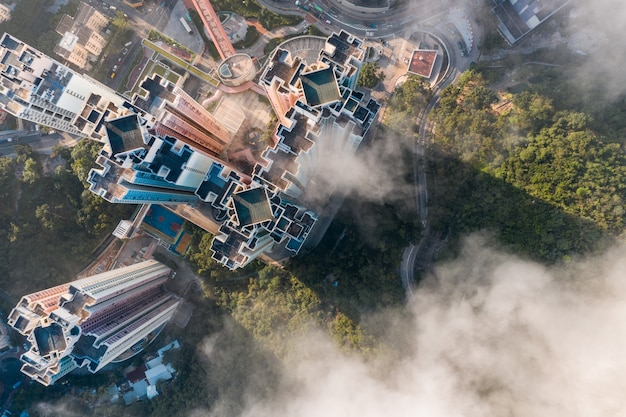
(376, 172)
(597, 29)
(488, 334)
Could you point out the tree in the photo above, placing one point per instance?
(120, 21)
(33, 171)
(83, 158)
(406, 104)
(370, 75)
(48, 217)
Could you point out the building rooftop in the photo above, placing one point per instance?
(124, 134)
(519, 17)
(49, 339)
(422, 62)
(283, 68)
(320, 87)
(252, 206)
(169, 159)
(343, 46)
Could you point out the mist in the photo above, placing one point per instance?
(596, 29)
(376, 172)
(488, 334)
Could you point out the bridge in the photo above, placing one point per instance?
(214, 27)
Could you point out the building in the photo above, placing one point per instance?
(176, 114)
(139, 165)
(82, 40)
(37, 88)
(422, 62)
(5, 13)
(92, 321)
(517, 18)
(162, 147)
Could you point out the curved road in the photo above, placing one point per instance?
(438, 19)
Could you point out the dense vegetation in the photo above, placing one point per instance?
(251, 9)
(515, 164)
(370, 75)
(406, 106)
(33, 23)
(49, 221)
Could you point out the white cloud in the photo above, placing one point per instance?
(490, 335)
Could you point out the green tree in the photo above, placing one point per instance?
(83, 158)
(33, 171)
(370, 75)
(120, 21)
(406, 104)
(49, 218)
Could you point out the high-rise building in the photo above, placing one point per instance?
(92, 321)
(163, 147)
(37, 88)
(141, 166)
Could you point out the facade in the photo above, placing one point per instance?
(141, 165)
(37, 88)
(81, 41)
(5, 13)
(517, 18)
(254, 218)
(162, 147)
(173, 112)
(92, 321)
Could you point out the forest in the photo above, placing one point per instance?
(543, 174)
(49, 221)
(519, 165)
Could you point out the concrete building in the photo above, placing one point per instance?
(173, 112)
(37, 88)
(163, 147)
(336, 65)
(517, 18)
(82, 40)
(92, 321)
(5, 13)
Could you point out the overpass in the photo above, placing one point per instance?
(214, 27)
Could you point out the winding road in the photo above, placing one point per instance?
(448, 24)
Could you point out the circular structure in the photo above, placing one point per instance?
(236, 70)
(306, 47)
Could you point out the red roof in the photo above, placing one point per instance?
(137, 375)
(422, 62)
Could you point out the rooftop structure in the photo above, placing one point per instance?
(289, 77)
(180, 116)
(91, 321)
(5, 13)
(422, 62)
(236, 70)
(81, 41)
(141, 166)
(214, 27)
(163, 147)
(517, 18)
(37, 88)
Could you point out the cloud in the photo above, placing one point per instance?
(487, 335)
(376, 172)
(597, 29)
(60, 408)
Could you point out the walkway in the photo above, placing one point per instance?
(214, 27)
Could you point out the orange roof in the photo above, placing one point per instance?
(422, 62)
